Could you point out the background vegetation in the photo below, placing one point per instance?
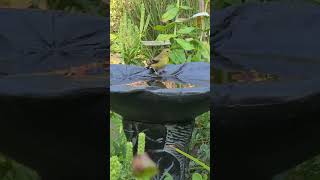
(199, 147)
(171, 21)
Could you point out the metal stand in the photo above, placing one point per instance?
(161, 141)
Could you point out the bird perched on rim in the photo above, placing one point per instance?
(160, 61)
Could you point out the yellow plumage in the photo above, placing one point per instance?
(159, 61)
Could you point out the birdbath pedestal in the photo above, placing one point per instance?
(163, 107)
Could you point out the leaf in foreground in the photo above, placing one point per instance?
(143, 166)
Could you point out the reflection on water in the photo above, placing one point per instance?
(222, 76)
(84, 71)
(161, 84)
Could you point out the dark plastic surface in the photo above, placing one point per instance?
(179, 94)
(53, 92)
(265, 127)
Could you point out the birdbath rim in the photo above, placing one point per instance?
(176, 104)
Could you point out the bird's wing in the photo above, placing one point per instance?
(154, 60)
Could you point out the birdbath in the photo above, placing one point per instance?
(163, 107)
(53, 92)
(266, 88)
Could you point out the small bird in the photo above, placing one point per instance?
(159, 61)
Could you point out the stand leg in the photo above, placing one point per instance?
(161, 141)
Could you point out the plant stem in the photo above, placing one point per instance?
(175, 25)
(193, 159)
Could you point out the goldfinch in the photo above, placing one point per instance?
(160, 61)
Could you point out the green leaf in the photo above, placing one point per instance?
(167, 176)
(177, 56)
(142, 14)
(10, 169)
(196, 176)
(186, 30)
(197, 57)
(205, 177)
(147, 23)
(186, 45)
(165, 37)
(185, 7)
(189, 58)
(170, 6)
(193, 159)
(164, 28)
(170, 14)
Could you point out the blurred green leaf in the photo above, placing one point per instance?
(196, 176)
(167, 176)
(185, 7)
(186, 45)
(11, 170)
(170, 14)
(177, 56)
(165, 37)
(185, 30)
(165, 27)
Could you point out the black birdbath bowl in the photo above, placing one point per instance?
(164, 107)
(53, 92)
(266, 89)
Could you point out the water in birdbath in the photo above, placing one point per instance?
(221, 76)
(161, 84)
(83, 72)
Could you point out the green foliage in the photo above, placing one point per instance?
(116, 10)
(189, 37)
(141, 143)
(121, 152)
(115, 168)
(199, 147)
(200, 143)
(129, 37)
(11, 170)
(308, 170)
(194, 159)
(156, 9)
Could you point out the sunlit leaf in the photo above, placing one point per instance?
(196, 176)
(186, 30)
(177, 56)
(186, 45)
(185, 7)
(165, 37)
(165, 27)
(170, 14)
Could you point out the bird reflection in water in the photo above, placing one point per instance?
(161, 84)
